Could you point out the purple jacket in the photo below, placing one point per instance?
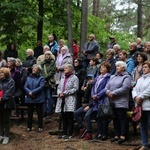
(102, 97)
(119, 85)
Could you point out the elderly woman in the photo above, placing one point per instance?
(98, 97)
(66, 102)
(30, 61)
(63, 58)
(34, 88)
(117, 90)
(7, 89)
(141, 95)
(48, 71)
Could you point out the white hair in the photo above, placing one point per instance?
(30, 50)
(116, 45)
(122, 64)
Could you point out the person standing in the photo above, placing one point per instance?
(141, 95)
(34, 89)
(66, 102)
(48, 71)
(38, 50)
(89, 50)
(75, 49)
(7, 103)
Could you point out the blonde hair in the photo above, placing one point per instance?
(6, 71)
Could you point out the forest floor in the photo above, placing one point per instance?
(22, 140)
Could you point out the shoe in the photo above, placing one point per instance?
(67, 136)
(1, 138)
(120, 141)
(114, 139)
(40, 130)
(5, 140)
(98, 137)
(82, 133)
(28, 129)
(88, 136)
(104, 138)
(61, 136)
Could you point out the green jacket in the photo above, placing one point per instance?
(48, 71)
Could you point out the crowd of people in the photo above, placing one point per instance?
(82, 83)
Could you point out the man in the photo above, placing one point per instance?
(112, 42)
(148, 50)
(129, 61)
(53, 45)
(116, 48)
(140, 46)
(89, 50)
(133, 52)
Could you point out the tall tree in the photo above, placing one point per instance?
(95, 8)
(69, 25)
(84, 22)
(40, 21)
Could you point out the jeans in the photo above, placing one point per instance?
(48, 105)
(120, 121)
(5, 122)
(39, 107)
(86, 63)
(78, 115)
(145, 124)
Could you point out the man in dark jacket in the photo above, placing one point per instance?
(89, 50)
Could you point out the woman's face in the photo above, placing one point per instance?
(67, 70)
(29, 53)
(98, 56)
(120, 69)
(139, 59)
(76, 63)
(47, 56)
(109, 56)
(146, 69)
(103, 70)
(2, 75)
(9, 63)
(63, 51)
(35, 70)
(17, 63)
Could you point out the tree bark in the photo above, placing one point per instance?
(139, 19)
(84, 22)
(69, 25)
(95, 8)
(40, 21)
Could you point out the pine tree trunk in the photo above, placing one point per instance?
(139, 19)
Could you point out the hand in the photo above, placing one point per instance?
(110, 95)
(61, 95)
(95, 97)
(86, 108)
(138, 100)
(30, 93)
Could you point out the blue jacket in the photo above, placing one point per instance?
(102, 97)
(130, 65)
(35, 84)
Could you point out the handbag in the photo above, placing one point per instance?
(137, 113)
(105, 111)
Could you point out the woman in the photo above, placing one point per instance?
(137, 71)
(141, 95)
(48, 71)
(7, 89)
(34, 88)
(81, 74)
(66, 102)
(75, 49)
(63, 58)
(98, 97)
(2, 61)
(117, 90)
(29, 62)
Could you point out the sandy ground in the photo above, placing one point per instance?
(22, 140)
